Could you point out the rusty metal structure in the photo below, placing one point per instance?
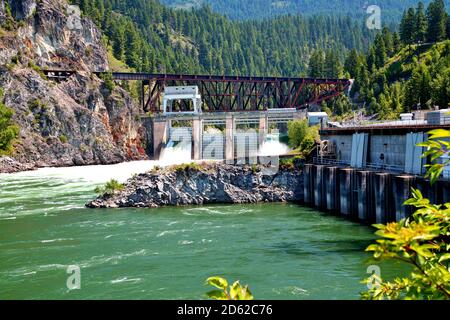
(229, 93)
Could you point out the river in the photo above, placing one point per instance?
(283, 251)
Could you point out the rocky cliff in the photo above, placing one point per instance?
(76, 122)
(203, 184)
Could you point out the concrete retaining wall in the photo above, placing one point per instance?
(365, 195)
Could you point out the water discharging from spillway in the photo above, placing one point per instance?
(272, 146)
(176, 153)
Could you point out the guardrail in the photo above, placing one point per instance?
(370, 166)
(442, 120)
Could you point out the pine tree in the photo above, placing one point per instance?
(119, 43)
(388, 41)
(332, 65)
(421, 24)
(407, 26)
(371, 59)
(396, 41)
(351, 63)
(437, 20)
(380, 51)
(317, 64)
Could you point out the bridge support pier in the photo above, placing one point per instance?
(197, 125)
(263, 128)
(229, 138)
(160, 135)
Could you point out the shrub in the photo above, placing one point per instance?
(8, 130)
(301, 136)
(110, 188)
(63, 138)
(108, 80)
(291, 162)
(185, 167)
(235, 292)
(155, 169)
(37, 69)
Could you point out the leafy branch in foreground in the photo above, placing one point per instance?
(422, 241)
(109, 188)
(436, 147)
(235, 292)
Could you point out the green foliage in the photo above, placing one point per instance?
(291, 163)
(437, 20)
(302, 137)
(8, 130)
(150, 37)
(262, 9)
(108, 80)
(63, 138)
(8, 23)
(155, 169)
(401, 71)
(37, 69)
(421, 241)
(436, 146)
(233, 292)
(186, 167)
(110, 188)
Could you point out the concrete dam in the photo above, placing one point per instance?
(366, 172)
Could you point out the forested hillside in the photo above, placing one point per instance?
(394, 71)
(401, 71)
(151, 37)
(257, 9)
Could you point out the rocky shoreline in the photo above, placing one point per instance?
(206, 183)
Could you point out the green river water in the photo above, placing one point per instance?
(283, 251)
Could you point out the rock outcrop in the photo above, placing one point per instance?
(208, 183)
(79, 121)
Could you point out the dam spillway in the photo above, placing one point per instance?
(221, 135)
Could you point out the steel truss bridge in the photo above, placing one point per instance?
(229, 93)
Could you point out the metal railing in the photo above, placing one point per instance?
(367, 165)
(442, 120)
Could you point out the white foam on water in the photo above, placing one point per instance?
(125, 279)
(94, 174)
(56, 240)
(178, 154)
(273, 148)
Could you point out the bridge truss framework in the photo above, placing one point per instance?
(230, 93)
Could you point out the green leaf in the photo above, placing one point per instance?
(245, 294)
(439, 133)
(234, 290)
(444, 257)
(217, 295)
(217, 282)
(372, 247)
